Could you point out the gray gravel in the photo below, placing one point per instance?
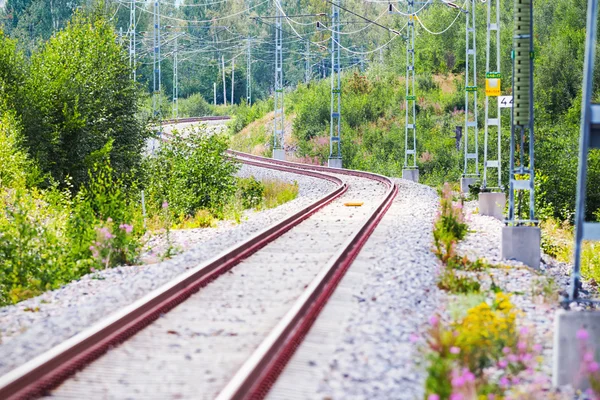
(361, 347)
(62, 313)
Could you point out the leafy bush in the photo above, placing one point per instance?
(251, 192)
(191, 173)
(32, 252)
(17, 170)
(193, 106)
(106, 223)
(78, 96)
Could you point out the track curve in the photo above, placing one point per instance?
(259, 372)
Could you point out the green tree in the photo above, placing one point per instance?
(79, 96)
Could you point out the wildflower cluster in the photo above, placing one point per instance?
(589, 368)
(113, 243)
(481, 356)
(450, 227)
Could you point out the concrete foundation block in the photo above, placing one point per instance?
(568, 349)
(492, 204)
(334, 163)
(522, 243)
(465, 182)
(411, 174)
(279, 154)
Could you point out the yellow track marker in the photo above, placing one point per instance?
(354, 204)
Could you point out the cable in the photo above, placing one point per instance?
(367, 52)
(449, 26)
(365, 18)
(207, 20)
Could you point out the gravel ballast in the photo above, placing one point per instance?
(33, 326)
(360, 347)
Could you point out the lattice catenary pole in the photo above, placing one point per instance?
(278, 123)
(156, 86)
(335, 127)
(132, 42)
(470, 132)
(492, 118)
(410, 100)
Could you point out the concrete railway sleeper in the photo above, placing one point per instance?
(249, 320)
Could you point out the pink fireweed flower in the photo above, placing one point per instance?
(593, 367)
(588, 356)
(516, 380)
(582, 334)
(522, 346)
(469, 376)
(537, 348)
(456, 396)
(106, 233)
(524, 331)
(413, 338)
(433, 397)
(526, 357)
(502, 364)
(126, 227)
(513, 358)
(504, 382)
(458, 381)
(506, 350)
(433, 320)
(454, 350)
(165, 204)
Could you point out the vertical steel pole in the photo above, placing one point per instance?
(232, 80)
(492, 119)
(587, 119)
(410, 100)
(278, 123)
(335, 122)
(224, 85)
(249, 74)
(471, 95)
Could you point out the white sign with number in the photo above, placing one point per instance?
(505, 101)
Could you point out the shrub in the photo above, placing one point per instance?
(193, 106)
(17, 168)
(78, 96)
(251, 192)
(191, 173)
(32, 252)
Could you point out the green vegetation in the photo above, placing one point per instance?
(73, 167)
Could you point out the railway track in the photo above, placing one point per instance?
(232, 338)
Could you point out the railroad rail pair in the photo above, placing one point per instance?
(254, 379)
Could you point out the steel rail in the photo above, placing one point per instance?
(37, 376)
(258, 374)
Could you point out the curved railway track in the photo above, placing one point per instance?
(325, 260)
